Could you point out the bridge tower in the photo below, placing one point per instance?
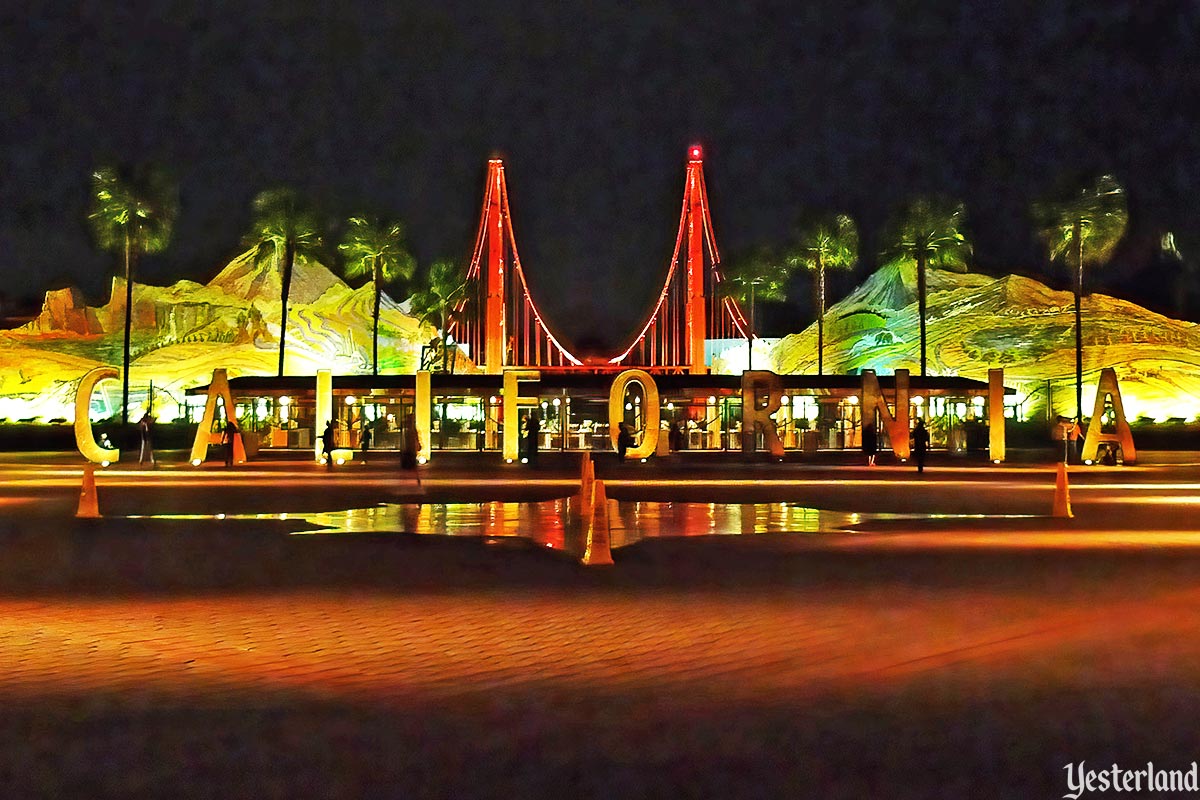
(693, 204)
(495, 211)
(502, 326)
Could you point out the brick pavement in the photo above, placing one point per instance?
(145, 659)
(630, 688)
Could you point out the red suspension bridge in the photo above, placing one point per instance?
(503, 326)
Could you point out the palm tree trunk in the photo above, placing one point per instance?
(285, 288)
(820, 316)
(129, 256)
(921, 256)
(1077, 232)
(750, 334)
(442, 337)
(375, 318)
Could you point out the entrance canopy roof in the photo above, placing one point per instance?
(832, 385)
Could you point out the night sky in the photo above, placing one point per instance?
(845, 106)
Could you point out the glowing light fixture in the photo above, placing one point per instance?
(195, 462)
(695, 153)
(351, 399)
(285, 401)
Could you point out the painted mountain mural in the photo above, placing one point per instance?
(976, 322)
(183, 331)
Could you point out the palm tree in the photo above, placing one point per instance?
(929, 231)
(760, 275)
(377, 249)
(826, 243)
(437, 303)
(133, 212)
(283, 224)
(1084, 230)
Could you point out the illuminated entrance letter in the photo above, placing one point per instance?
(85, 440)
(762, 393)
(324, 411)
(996, 415)
(217, 387)
(512, 422)
(1124, 437)
(616, 411)
(424, 414)
(873, 400)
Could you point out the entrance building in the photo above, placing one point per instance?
(467, 411)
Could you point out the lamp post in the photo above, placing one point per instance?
(752, 282)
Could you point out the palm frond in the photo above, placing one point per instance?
(281, 217)
(827, 241)
(762, 274)
(370, 244)
(932, 227)
(139, 204)
(1098, 211)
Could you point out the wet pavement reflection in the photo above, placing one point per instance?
(561, 524)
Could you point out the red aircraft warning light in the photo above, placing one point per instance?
(695, 153)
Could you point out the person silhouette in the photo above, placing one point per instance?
(920, 444)
(675, 437)
(145, 433)
(531, 438)
(327, 443)
(410, 446)
(228, 434)
(624, 441)
(365, 442)
(870, 441)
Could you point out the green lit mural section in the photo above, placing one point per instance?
(976, 322)
(182, 332)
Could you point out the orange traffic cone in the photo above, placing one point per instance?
(587, 474)
(579, 505)
(89, 502)
(1062, 493)
(598, 551)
